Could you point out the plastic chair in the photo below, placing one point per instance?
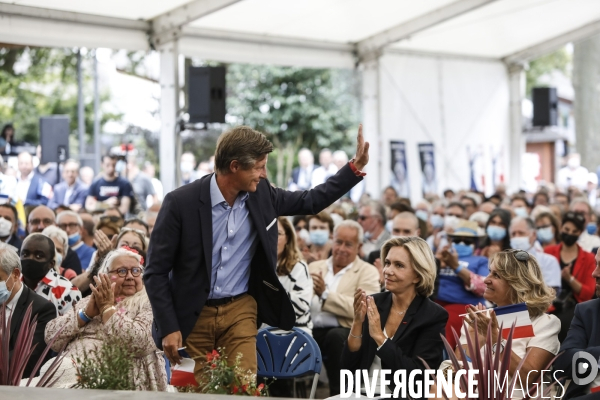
(288, 354)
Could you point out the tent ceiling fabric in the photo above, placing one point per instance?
(274, 29)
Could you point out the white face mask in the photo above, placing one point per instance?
(5, 227)
(520, 243)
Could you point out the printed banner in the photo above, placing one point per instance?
(429, 179)
(399, 180)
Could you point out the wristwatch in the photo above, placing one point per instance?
(502, 344)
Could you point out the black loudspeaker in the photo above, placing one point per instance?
(545, 106)
(206, 94)
(54, 138)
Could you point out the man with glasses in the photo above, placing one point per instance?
(588, 242)
(72, 224)
(523, 236)
(39, 219)
(372, 219)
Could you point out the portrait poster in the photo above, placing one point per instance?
(428, 173)
(399, 180)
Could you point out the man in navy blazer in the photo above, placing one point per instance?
(70, 192)
(211, 274)
(583, 335)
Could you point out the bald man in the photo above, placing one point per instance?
(32, 190)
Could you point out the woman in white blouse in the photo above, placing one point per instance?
(515, 277)
(293, 274)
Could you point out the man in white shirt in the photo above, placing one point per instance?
(581, 206)
(302, 175)
(325, 170)
(335, 281)
(573, 174)
(17, 298)
(523, 236)
(31, 189)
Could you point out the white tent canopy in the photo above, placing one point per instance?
(311, 33)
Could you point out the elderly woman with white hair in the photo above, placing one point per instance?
(118, 311)
(61, 246)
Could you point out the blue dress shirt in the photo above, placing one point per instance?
(234, 244)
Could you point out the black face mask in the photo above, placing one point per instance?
(567, 239)
(34, 270)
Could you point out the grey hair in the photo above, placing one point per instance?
(72, 214)
(582, 200)
(348, 223)
(528, 221)
(9, 259)
(113, 255)
(377, 209)
(55, 232)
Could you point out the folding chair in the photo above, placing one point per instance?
(288, 354)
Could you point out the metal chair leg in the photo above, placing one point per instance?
(313, 390)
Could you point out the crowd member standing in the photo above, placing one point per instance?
(302, 175)
(214, 250)
(110, 190)
(70, 192)
(325, 170)
(142, 185)
(31, 188)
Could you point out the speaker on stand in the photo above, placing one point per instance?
(54, 140)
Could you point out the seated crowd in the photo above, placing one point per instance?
(376, 284)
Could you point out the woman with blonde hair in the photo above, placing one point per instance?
(118, 311)
(293, 274)
(515, 277)
(397, 328)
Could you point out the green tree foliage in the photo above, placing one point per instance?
(294, 107)
(35, 82)
(557, 61)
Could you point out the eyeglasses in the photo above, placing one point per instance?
(38, 221)
(126, 229)
(574, 215)
(71, 225)
(519, 254)
(112, 218)
(122, 272)
(363, 217)
(462, 239)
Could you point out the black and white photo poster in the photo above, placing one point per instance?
(428, 173)
(399, 180)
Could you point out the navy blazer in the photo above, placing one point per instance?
(419, 335)
(583, 335)
(35, 194)
(44, 310)
(80, 192)
(178, 272)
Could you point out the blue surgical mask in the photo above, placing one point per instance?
(4, 292)
(319, 237)
(422, 215)
(520, 243)
(592, 228)
(74, 238)
(463, 250)
(545, 235)
(120, 166)
(495, 233)
(521, 212)
(59, 259)
(437, 221)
